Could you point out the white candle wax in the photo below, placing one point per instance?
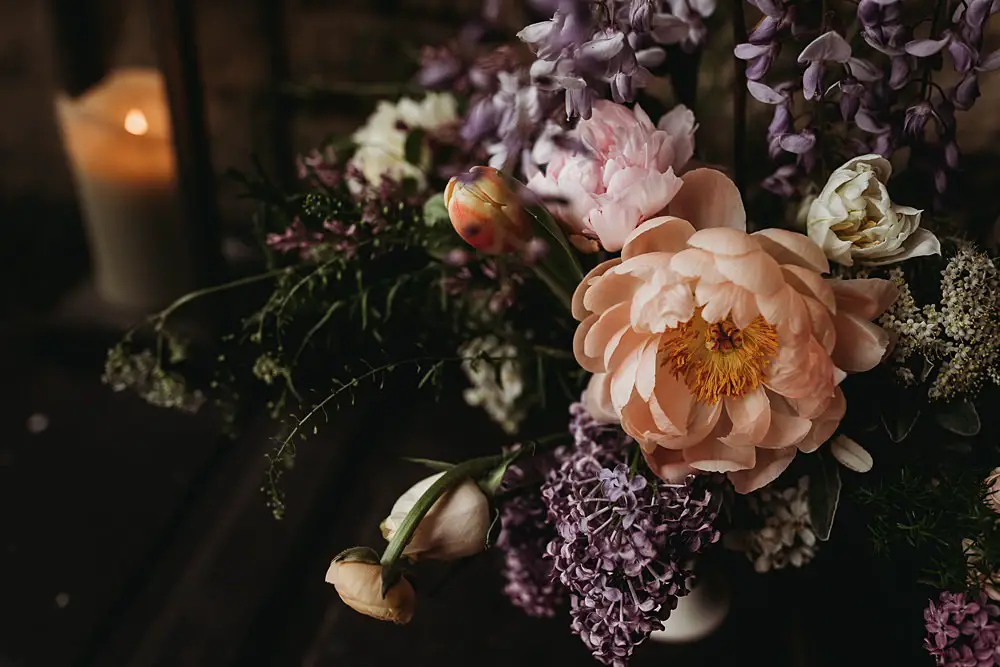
(117, 136)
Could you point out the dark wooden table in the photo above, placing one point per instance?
(136, 537)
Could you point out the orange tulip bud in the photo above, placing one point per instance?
(486, 212)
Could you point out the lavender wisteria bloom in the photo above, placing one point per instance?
(963, 632)
(829, 47)
(624, 544)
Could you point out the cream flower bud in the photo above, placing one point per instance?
(850, 454)
(486, 212)
(854, 220)
(455, 527)
(359, 585)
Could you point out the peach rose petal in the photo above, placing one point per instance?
(579, 312)
(791, 248)
(709, 199)
(663, 234)
(770, 463)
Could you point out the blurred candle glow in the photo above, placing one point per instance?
(118, 140)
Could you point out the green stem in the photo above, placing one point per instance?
(162, 316)
(926, 78)
(566, 297)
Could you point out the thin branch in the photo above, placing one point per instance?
(739, 99)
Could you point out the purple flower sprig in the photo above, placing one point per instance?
(624, 542)
(963, 632)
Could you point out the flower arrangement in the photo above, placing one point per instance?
(741, 347)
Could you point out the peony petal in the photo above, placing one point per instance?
(594, 364)
(750, 415)
(791, 248)
(696, 263)
(668, 464)
(826, 424)
(719, 301)
(645, 379)
(597, 399)
(712, 455)
(579, 312)
(785, 429)
(754, 271)
(786, 310)
(672, 405)
(865, 297)
(769, 464)
(607, 331)
(861, 345)
(723, 241)
(709, 199)
(617, 285)
(663, 234)
(811, 284)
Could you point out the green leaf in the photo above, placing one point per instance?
(899, 420)
(413, 150)
(437, 466)
(496, 526)
(959, 417)
(824, 495)
(435, 212)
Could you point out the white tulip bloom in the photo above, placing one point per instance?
(854, 220)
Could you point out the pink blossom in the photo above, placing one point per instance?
(625, 173)
(719, 350)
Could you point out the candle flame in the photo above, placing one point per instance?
(136, 123)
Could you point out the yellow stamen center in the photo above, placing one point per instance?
(854, 227)
(719, 359)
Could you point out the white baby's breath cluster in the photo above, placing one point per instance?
(496, 378)
(787, 536)
(381, 141)
(959, 337)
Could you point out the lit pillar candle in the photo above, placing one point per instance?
(117, 137)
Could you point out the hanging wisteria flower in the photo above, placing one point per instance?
(624, 547)
(854, 220)
(381, 141)
(786, 536)
(719, 350)
(828, 47)
(497, 382)
(963, 632)
(625, 172)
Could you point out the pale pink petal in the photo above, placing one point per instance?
(712, 455)
(709, 199)
(696, 263)
(750, 415)
(744, 310)
(597, 399)
(769, 464)
(861, 345)
(791, 248)
(867, 298)
(613, 220)
(723, 241)
(672, 403)
(668, 464)
(810, 283)
(610, 326)
(579, 311)
(645, 378)
(594, 364)
(824, 426)
(755, 271)
(663, 234)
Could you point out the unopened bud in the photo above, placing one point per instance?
(359, 585)
(486, 212)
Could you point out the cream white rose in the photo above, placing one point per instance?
(455, 526)
(381, 142)
(854, 220)
(359, 585)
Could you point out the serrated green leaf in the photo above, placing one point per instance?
(824, 495)
(959, 417)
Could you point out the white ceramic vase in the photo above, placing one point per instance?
(698, 614)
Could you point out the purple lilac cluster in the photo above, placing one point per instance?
(624, 543)
(531, 581)
(588, 49)
(963, 632)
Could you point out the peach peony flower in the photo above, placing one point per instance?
(626, 175)
(719, 350)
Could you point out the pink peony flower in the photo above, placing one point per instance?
(719, 350)
(626, 175)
